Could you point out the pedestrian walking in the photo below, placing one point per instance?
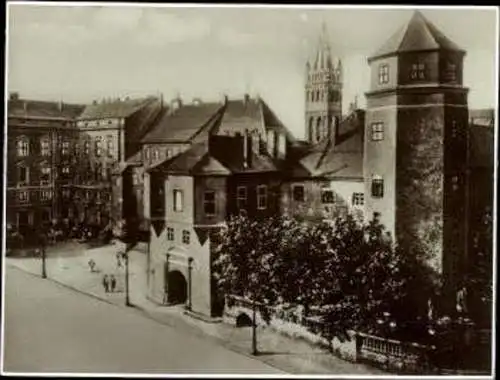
(118, 259)
(105, 283)
(113, 283)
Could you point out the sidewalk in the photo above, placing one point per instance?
(290, 355)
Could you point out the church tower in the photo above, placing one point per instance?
(416, 131)
(323, 92)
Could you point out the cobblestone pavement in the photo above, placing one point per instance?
(290, 355)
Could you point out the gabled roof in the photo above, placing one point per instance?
(418, 34)
(339, 157)
(114, 109)
(43, 109)
(182, 124)
(240, 115)
(195, 160)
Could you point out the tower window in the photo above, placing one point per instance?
(377, 186)
(451, 72)
(23, 175)
(377, 131)
(318, 129)
(209, 203)
(383, 74)
(417, 71)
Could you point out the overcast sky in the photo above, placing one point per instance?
(83, 53)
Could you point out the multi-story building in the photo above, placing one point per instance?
(402, 160)
(416, 134)
(109, 134)
(40, 163)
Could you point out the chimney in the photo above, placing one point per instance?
(25, 106)
(94, 102)
(247, 149)
(14, 96)
(246, 99)
(61, 104)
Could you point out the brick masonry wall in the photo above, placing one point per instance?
(419, 179)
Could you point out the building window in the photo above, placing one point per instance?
(262, 197)
(377, 131)
(146, 154)
(178, 200)
(135, 179)
(23, 196)
(417, 71)
(451, 72)
(358, 199)
(65, 148)
(156, 154)
(209, 203)
(327, 196)
(98, 146)
(455, 183)
(23, 175)
(66, 193)
(65, 170)
(383, 74)
(170, 234)
(169, 153)
(46, 195)
(110, 146)
(186, 237)
(298, 193)
(45, 147)
(454, 129)
(87, 195)
(86, 148)
(241, 197)
(45, 175)
(23, 147)
(377, 187)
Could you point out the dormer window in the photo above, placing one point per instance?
(417, 71)
(383, 74)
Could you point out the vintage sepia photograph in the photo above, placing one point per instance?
(249, 190)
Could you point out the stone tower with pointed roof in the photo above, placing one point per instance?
(415, 143)
(323, 92)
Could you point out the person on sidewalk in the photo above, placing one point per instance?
(113, 283)
(105, 283)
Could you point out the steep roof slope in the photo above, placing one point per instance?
(114, 109)
(43, 109)
(418, 34)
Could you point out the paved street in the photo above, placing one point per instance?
(49, 328)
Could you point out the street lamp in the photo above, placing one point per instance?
(42, 244)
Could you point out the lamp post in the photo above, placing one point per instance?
(190, 269)
(127, 293)
(254, 327)
(42, 242)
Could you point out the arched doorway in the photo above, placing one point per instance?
(177, 288)
(243, 320)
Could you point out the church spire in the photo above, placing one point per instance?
(323, 54)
